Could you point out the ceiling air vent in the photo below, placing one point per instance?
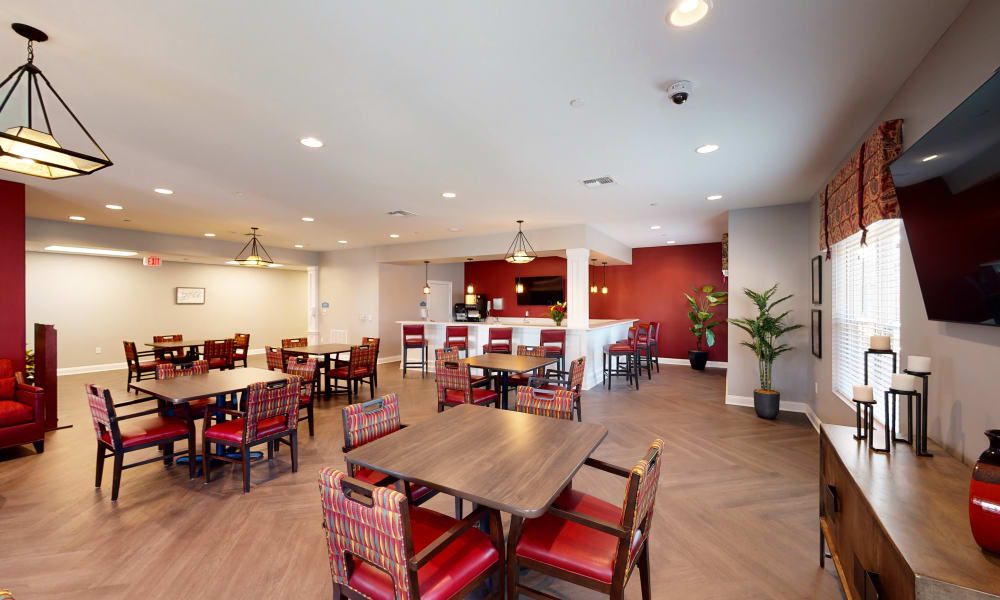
(598, 182)
(401, 213)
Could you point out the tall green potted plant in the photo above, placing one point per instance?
(702, 305)
(764, 331)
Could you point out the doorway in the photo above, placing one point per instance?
(439, 301)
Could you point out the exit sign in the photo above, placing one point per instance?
(150, 261)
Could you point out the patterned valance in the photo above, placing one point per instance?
(862, 192)
(725, 254)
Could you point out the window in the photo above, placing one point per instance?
(865, 303)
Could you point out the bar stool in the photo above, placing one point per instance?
(613, 354)
(457, 337)
(642, 346)
(654, 343)
(554, 341)
(501, 341)
(413, 337)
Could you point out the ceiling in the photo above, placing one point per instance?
(414, 99)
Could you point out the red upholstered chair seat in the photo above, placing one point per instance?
(214, 363)
(344, 372)
(619, 347)
(553, 351)
(573, 547)
(414, 343)
(13, 413)
(497, 347)
(553, 387)
(446, 574)
(148, 429)
(479, 396)
(232, 431)
(457, 344)
(148, 366)
(374, 477)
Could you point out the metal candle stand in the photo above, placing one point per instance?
(867, 421)
(890, 424)
(921, 443)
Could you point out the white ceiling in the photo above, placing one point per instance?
(416, 98)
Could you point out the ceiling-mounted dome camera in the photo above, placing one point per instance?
(680, 91)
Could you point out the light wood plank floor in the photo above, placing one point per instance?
(736, 513)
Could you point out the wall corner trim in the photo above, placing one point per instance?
(796, 407)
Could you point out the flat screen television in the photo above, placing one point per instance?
(948, 185)
(539, 291)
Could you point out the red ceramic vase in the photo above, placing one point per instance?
(984, 496)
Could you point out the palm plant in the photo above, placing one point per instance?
(705, 299)
(764, 331)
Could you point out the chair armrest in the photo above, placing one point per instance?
(30, 395)
(588, 521)
(453, 533)
(537, 382)
(607, 467)
(559, 374)
(136, 401)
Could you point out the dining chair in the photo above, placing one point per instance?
(270, 414)
(500, 341)
(587, 541)
(241, 345)
(454, 384)
(196, 408)
(571, 380)
(117, 439)
(457, 336)
(219, 353)
(556, 403)
(169, 354)
(654, 343)
(413, 337)
(359, 367)
(308, 370)
(275, 358)
(612, 359)
(138, 370)
(381, 546)
(639, 335)
(516, 379)
(373, 341)
(294, 342)
(554, 341)
(450, 354)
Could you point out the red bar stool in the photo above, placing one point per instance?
(613, 355)
(642, 344)
(501, 341)
(554, 341)
(457, 337)
(654, 343)
(413, 337)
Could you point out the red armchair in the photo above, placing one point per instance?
(22, 410)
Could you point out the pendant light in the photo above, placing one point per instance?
(470, 289)
(25, 149)
(593, 280)
(604, 288)
(518, 286)
(520, 251)
(427, 285)
(253, 253)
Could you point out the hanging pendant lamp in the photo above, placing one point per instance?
(253, 253)
(427, 285)
(520, 250)
(604, 288)
(470, 289)
(593, 280)
(25, 149)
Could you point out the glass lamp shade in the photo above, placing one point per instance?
(427, 289)
(470, 299)
(251, 261)
(520, 257)
(33, 152)
(470, 289)
(519, 288)
(593, 288)
(604, 290)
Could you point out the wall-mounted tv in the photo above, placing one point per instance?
(540, 291)
(948, 184)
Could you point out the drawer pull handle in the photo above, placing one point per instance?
(830, 500)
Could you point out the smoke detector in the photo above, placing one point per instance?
(598, 182)
(401, 213)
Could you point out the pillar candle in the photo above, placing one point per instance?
(864, 393)
(879, 342)
(903, 382)
(919, 364)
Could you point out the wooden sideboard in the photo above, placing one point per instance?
(897, 526)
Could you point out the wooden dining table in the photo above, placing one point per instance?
(191, 345)
(505, 364)
(323, 350)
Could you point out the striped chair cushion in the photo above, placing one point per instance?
(455, 378)
(449, 354)
(371, 420)
(274, 362)
(306, 368)
(170, 370)
(647, 471)
(266, 400)
(98, 409)
(545, 403)
(577, 369)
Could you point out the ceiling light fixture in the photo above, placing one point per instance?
(520, 250)
(77, 218)
(448, 195)
(671, 242)
(232, 262)
(707, 148)
(427, 285)
(714, 197)
(164, 191)
(311, 142)
(689, 12)
(308, 219)
(253, 253)
(654, 227)
(209, 235)
(929, 158)
(24, 149)
(604, 288)
(299, 246)
(113, 206)
(341, 241)
(593, 280)
(470, 289)
(453, 228)
(394, 235)
(97, 251)
(273, 265)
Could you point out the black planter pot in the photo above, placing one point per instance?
(766, 403)
(698, 358)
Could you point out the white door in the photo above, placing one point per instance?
(439, 304)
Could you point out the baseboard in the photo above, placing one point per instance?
(389, 359)
(685, 362)
(119, 366)
(796, 407)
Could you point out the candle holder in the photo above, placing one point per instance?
(890, 425)
(865, 419)
(870, 351)
(921, 443)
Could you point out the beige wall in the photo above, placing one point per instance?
(400, 293)
(963, 396)
(98, 302)
(348, 282)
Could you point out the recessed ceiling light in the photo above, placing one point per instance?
(671, 242)
(209, 235)
(98, 251)
(163, 191)
(273, 265)
(394, 235)
(232, 262)
(706, 149)
(453, 229)
(113, 206)
(311, 142)
(76, 218)
(654, 227)
(927, 158)
(689, 12)
(341, 241)
(299, 246)
(448, 195)
(714, 197)
(308, 219)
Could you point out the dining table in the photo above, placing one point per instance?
(191, 345)
(505, 364)
(323, 350)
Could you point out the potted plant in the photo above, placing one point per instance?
(558, 312)
(764, 331)
(703, 303)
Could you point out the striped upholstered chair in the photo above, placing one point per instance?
(516, 379)
(137, 368)
(590, 542)
(571, 380)
(294, 342)
(169, 355)
(179, 369)
(557, 403)
(360, 367)
(450, 354)
(307, 369)
(241, 346)
(373, 341)
(219, 354)
(454, 384)
(381, 546)
(275, 358)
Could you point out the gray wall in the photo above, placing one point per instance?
(763, 244)
(400, 293)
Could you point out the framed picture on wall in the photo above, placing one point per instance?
(816, 335)
(817, 280)
(190, 295)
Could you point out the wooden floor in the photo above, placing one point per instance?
(736, 513)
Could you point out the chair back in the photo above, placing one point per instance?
(456, 333)
(241, 341)
(361, 357)
(642, 332)
(163, 354)
(633, 337)
(501, 334)
(219, 349)
(368, 421)
(372, 341)
(102, 412)
(447, 353)
(131, 356)
(654, 332)
(557, 404)
(265, 400)
(8, 380)
(275, 358)
(538, 351)
(453, 376)
(171, 370)
(640, 494)
(413, 333)
(553, 337)
(308, 370)
(294, 342)
(367, 523)
(577, 369)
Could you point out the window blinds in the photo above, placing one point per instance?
(865, 303)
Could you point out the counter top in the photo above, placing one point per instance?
(516, 323)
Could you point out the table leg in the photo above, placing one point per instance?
(503, 379)
(922, 426)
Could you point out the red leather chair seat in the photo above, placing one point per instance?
(305, 400)
(13, 413)
(149, 429)
(415, 343)
(619, 347)
(553, 351)
(446, 574)
(497, 347)
(479, 396)
(373, 477)
(344, 372)
(519, 379)
(478, 380)
(573, 547)
(232, 431)
(215, 363)
(457, 344)
(148, 366)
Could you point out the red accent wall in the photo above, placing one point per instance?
(651, 288)
(12, 273)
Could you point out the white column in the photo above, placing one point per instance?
(577, 287)
(312, 304)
